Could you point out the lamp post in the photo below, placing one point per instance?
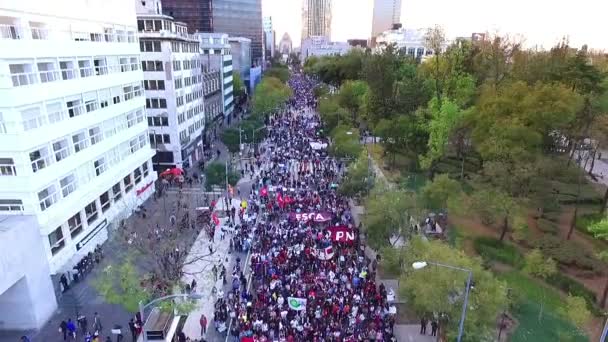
(143, 307)
(422, 264)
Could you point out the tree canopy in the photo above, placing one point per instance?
(268, 95)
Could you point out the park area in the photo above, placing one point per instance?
(490, 154)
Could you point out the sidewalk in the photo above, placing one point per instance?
(201, 271)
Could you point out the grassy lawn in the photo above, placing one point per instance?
(529, 294)
(551, 328)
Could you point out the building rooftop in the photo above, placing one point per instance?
(8, 222)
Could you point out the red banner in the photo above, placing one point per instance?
(317, 217)
(143, 189)
(342, 234)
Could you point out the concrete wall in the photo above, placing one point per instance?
(27, 298)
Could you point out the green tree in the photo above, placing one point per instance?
(403, 134)
(493, 205)
(536, 265)
(332, 114)
(268, 95)
(388, 214)
(357, 179)
(445, 118)
(380, 72)
(439, 290)
(237, 85)
(345, 142)
(280, 72)
(600, 231)
(434, 40)
(575, 310)
(436, 194)
(351, 97)
(215, 174)
(121, 284)
(231, 138)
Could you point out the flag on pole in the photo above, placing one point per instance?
(297, 304)
(216, 220)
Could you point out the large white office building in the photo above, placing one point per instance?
(409, 41)
(75, 157)
(173, 83)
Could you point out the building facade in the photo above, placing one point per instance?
(196, 14)
(241, 56)
(386, 13)
(75, 155)
(241, 18)
(410, 41)
(321, 46)
(216, 57)
(316, 18)
(269, 38)
(173, 84)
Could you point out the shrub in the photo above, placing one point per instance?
(494, 249)
(574, 288)
(568, 253)
(585, 220)
(547, 226)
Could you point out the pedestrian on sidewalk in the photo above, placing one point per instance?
(423, 324)
(132, 329)
(63, 328)
(71, 329)
(82, 323)
(97, 323)
(434, 326)
(203, 322)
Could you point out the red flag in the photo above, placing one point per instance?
(280, 200)
(264, 192)
(215, 219)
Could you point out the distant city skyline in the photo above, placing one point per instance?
(353, 19)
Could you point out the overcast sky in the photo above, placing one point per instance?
(542, 22)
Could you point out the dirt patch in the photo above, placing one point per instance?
(471, 228)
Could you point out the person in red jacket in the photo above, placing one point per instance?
(203, 322)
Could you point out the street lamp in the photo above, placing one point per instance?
(418, 265)
(143, 307)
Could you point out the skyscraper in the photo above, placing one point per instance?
(241, 18)
(316, 18)
(269, 38)
(197, 14)
(386, 13)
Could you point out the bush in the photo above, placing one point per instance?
(547, 226)
(215, 174)
(585, 220)
(568, 253)
(494, 249)
(574, 288)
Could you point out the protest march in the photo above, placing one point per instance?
(310, 278)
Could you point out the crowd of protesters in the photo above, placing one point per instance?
(308, 283)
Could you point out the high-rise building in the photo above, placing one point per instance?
(216, 57)
(173, 83)
(74, 154)
(386, 13)
(316, 18)
(241, 18)
(196, 14)
(269, 37)
(241, 56)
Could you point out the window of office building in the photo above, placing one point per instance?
(75, 224)
(56, 240)
(91, 212)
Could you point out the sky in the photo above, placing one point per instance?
(540, 22)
